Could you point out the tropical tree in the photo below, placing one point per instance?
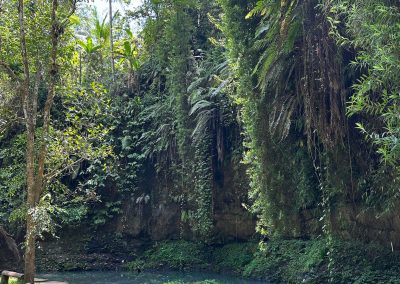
(34, 56)
(34, 68)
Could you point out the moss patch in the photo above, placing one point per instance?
(15, 281)
(173, 255)
(234, 257)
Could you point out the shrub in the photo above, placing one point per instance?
(173, 254)
(235, 256)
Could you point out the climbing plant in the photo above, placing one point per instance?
(372, 29)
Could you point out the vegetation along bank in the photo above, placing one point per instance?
(258, 138)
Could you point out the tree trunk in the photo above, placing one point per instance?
(35, 183)
(111, 40)
(30, 250)
(28, 105)
(29, 270)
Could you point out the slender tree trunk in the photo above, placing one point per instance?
(111, 39)
(30, 250)
(31, 204)
(30, 111)
(35, 180)
(30, 153)
(39, 182)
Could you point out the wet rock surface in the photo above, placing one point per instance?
(84, 252)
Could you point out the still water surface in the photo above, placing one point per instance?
(161, 277)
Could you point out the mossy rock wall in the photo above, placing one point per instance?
(160, 216)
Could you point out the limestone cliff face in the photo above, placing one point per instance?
(151, 214)
(356, 222)
(351, 222)
(154, 214)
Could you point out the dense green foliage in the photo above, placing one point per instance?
(181, 83)
(298, 261)
(376, 40)
(302, 96)
(172, 254)
(303, 152)
(281, 261)
(185, 255)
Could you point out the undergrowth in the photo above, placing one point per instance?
(15, 281)
(172, 254)
(300, 261)
(280, 261)
(234, 257)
